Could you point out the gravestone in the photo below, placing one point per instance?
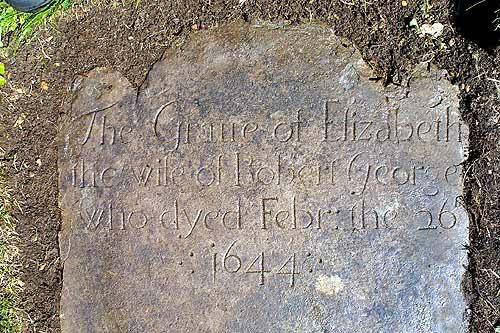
(260, 180)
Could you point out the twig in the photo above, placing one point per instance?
(474, 5)
(497, 84)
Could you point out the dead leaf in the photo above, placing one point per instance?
(19, 121)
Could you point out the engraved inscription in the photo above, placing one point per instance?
(259, 181)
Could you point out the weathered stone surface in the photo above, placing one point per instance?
(260, 182)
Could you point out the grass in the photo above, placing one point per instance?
(17, 27)
(10, 285)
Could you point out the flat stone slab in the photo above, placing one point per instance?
(260, 181)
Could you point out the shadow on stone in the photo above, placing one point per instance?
(477, 21)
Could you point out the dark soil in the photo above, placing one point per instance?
(130, 38)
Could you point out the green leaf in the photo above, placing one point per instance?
(2, 68)
(2, 81)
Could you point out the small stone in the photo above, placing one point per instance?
(435, 30)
